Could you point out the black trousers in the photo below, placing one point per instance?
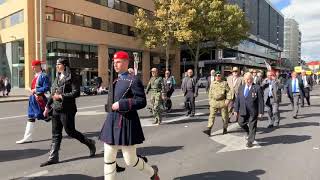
(249, 124)
(306, 95)
(190, 102)
(66, 120)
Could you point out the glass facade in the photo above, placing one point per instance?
(12, 63)
(12, 20)
(53, 14)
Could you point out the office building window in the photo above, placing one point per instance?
(68, 17)
(11, 20)
(117, 5)
(78, 19)
(111, 3)
(96, 23)
(58, 15)
(82, 20)
(87, 21)
(104, 25)
(49, 13)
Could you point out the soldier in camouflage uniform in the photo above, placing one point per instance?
(219, 99)
(155, 86)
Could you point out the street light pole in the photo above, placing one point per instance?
(184, 64)
(136, 62)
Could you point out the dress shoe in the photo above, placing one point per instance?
(48, 163)
(295, 117)
(207, 131)
(225, 131)
(270, 126)
(249, 145)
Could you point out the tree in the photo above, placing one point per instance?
(216, 21)
(169, 22)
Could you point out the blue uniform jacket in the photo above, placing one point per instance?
(123, 127)
(42, 86)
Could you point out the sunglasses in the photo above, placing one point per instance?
(218, 75)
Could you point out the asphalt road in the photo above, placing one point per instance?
(178, 147)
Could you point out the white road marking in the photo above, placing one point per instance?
(37, 174)
(148, 121)
(231, 141)
(90, 113)
(82, 108)
(197, 101)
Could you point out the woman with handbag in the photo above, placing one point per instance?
(64, 91)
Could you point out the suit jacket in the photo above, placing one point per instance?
(209, 83)
(185, 82)
(289, 88)
(276, 90)
(252, 104)
(309, 81)
(258, 80)
(234, 87)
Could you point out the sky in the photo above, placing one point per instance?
(307, 14)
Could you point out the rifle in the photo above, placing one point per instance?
(108, 106)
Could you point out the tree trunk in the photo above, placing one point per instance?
(167, 56)
(196, 63)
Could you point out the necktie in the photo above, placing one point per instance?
(246, 91)
(270, 88)
(295, 86)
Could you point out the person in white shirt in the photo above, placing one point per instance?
(210, 79)
(307, 84)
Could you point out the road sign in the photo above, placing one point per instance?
(201, 64)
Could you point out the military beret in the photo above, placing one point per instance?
(121, 55)
(36, 63)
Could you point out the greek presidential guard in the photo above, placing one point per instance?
(219, 99)
(37, 100)
(190, 91)
(156, 87)
(248, 107)
(272, 94)
(122, 128)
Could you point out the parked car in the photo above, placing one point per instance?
(203, 82)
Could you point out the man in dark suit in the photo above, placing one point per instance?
(249, 106)
(295, 92)
(272, 94)
(307, 85)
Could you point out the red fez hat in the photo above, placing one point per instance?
(121, 55)
(36, 63)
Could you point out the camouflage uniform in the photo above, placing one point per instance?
(155, 86)
(219, 93)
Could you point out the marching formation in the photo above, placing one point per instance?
(241, 99)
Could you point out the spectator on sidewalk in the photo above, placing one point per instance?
(2, 87)
(7, 86)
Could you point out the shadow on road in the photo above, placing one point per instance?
(282, 139)
(157, 150)
(189, 120)
(265, 130)
(12, 155)
(224, 175)
(67, 177)
(309, 115)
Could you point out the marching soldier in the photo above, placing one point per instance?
(122, 128)
(155, 86)
(219, 99)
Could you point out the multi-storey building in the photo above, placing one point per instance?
(292, 42)
(87, 32)
(265, 41)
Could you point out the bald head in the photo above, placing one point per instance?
(154, 72)
(190, 72)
